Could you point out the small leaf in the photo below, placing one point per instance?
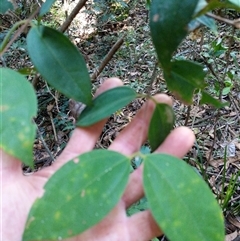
(168, 25)
(181, 202)
(106, 104)
(208, 99)
(46, 7)
(208, 22)
(183, 82)
(18, 105)
(79, 195)
(60, 63)
(161, 124)
(5, 5)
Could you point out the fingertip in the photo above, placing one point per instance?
(108, 84)
(163, 98)
(178, 142)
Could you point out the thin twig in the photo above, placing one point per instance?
(19, 31)
(153, 77)
(44, 144)
(107, 58)
(235, 23)
(72, 15)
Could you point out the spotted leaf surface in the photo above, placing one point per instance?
(18, 105)
(78, 196)
(181, 202)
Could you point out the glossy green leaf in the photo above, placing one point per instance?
(184, 78)
(89, 187)
(181, 202)
(18, 106)
(161, 125)
(5, 5)
(168, 25)
(105, 104)
(60, 63)
(46, 7)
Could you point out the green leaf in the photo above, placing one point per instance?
(60, 63)
(161, 125)
(168, 25)
(183, 82)
(181, 202)
(79, 195)
(46, 7)
(208, 99)
(5, 5)
(105, 104)
(18, 105)
(208, 22)
(235, 2)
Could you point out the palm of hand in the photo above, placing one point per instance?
(20, 192)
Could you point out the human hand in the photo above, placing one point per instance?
(19, 192)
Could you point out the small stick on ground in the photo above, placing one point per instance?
(44, 144)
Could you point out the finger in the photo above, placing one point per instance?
(178, 143)
(84, 139)
(134, 135)
(143, 227)
(10, 166)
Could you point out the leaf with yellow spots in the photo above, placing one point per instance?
(78, 196)
(181, 202)
(18, 106)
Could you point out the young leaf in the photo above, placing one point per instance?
(181, 202)
(5, 5)
(79, 195)
(60, 63)
(184, 78)
(106, 104)
(18, 105)
(46, 7)
(168, 25)
(161, 124)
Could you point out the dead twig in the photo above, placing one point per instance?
(72, 15)
(235, 23)
(19, 31)
(108, 57)
(44, 144)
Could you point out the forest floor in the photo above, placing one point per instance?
(216, 152)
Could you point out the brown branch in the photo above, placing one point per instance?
(108, 57)
(72, 15)
(235, 23)
(153, 77)
(19, 31)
